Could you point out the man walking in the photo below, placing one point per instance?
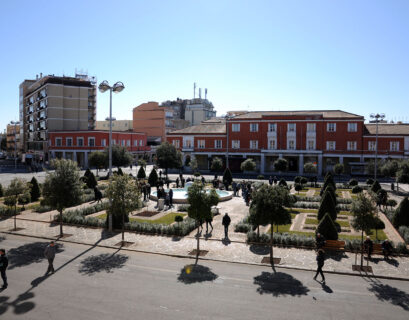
(4, 262)
(320, 264)
(226, 222)
(49, 253)
(171, 198)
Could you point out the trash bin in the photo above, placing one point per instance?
(161, 204)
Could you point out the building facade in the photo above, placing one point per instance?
(77, 145)
(117, 125)
(13, 140)
(323, 138)
(52, 103)
(198, 110)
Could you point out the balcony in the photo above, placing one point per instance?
(272, 134)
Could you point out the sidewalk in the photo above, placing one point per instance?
(235, 251)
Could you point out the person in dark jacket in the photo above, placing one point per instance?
(177, 182)
(171, 197)
(226, 222)
(319, 241)
(4, 262)
(386, 248)
(49, 253)
(368, 246)
(270, 181)
(209, 222)
(320, 264)
(97, 195)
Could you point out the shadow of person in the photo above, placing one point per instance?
(226, 241)
(20, 305)
(279, 284)
(193, 273)
(392, 262)
(208, 235)
(38, 280)
(259, 249)
(385, 292)
(326, 288)
(176, 238)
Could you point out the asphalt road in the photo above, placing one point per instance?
(99, 283)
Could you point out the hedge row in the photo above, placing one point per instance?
(7, 211)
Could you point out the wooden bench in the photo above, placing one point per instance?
(377, 249)
(336, 245)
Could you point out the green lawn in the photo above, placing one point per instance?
(167, 219)
(299, 210)
(311, 221)
(344, 224)
(283, 228)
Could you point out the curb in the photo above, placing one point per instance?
(212, 259)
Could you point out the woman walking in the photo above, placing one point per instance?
(320, 264)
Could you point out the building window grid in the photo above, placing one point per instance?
(91, 142)
(218, 144)
(311, 127)
(291, 144)
(351, 145)
(58, 142)
(331, 127)
(253, 144)
(331, 145)
(80, 142)
(103, 142)
(176, 143)
(235, 144)
(352, 127)
(310, 144)
(394, 146)
(201, 144)
(68, 142)
(253, 127)
(272, 144)
(291, 127)
(272, 127)
(235, 127)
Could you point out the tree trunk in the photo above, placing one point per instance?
(271, 245)
(197, 247)
(61, 233)
(15, 217)
(362, 248)
(123, 229)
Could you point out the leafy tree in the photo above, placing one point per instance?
(1, 189)
(125, 196)
(401, 217)
(369, 181)
(357, 189)
(353, 182)
(339, 169)
(303, 181)
(327, 206)
(14, 191)
(141, 173)
(200, 205)
(142, 163)
(391, 203)
(390, 168)
(24, 198)
(35, 192)
(327, 228)
(119, 172)
(227, 177)
(298, 187)
(297, 179)
(280, 165)
(282, 183)
(309, 167)
(217, 164)
(402, 174)
(153, 178)
(120, 156)
(167, 156)
(98, 160)
(248, 165)
(62, 187)
(268, 204)
(193, 164)
(364, 218)
(376, 187)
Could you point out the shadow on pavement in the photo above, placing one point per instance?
(193, 273)
(279, 284)
(326, 288)
(20, 305)
(29, 253)
(259, 249)
(387, 293)
(2, 238)
(337, 256)
(102, 262)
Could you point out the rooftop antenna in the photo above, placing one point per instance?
(205, 93)
(194, 90)
(200, 93)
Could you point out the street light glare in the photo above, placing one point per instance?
(104, 86)
(118, 87)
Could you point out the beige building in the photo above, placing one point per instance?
(198, 110)
(117, 125)
(13, 140)
(53, 103)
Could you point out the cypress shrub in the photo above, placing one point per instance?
(227, 177)
(376, 187)
(141, 173)
(401, 217)
(356, 189)
(327, 206)
(353, 182)
(369, 181)
(34, 190)
(282, 183)
(297, 179)
(327, 228)
(153, 178)
(90, 181)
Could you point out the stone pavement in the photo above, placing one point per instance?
(235, 251)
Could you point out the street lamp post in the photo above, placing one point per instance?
(117, 87)
(227, 141)
(15, 144)
(378, 118)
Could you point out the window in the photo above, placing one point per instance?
(113, 141)
(352, 127)
(394, 145)
(253, 144)
(218, 144)
(330, 145)
(123, 142)
(272, 127)
(272, 144)
(128, 143)
(310, 144)
(91, 142)
(58, 142)
(331, 127)
(371, 145)
(69, 142)
(351, 145)
(291, 144)
(201, 144)
(291, 127)
(253, 127)
(235, 144)
(188, 143)
(235, 127)
(141, 143)
(103, 142)
(310, 127)
(175, 143)
(80, 142)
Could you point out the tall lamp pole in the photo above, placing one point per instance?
(227, 117)
(378, 118)
(15, 144)
(117, 87)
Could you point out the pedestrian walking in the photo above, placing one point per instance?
(49, 253)
(275, 180)
(4, 262)
(319, 241)
(209, 222)
(171, 197)
(320, 264)
(177, 182)
(386, 249)
(368, 246)
(226, 222)
(97, 195)
(234, 186)
(270, 180)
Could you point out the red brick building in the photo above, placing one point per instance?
(321, 137)
(77, 145)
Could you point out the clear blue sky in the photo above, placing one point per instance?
(251, 55)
